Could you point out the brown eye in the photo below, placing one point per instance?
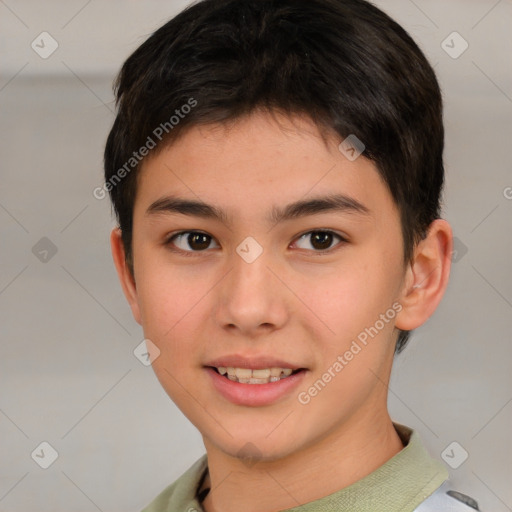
(190, 241)
(320, 240)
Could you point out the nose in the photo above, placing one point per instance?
(251, 299)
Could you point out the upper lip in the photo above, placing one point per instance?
(255, 363)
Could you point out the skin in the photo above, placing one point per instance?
(292, 302)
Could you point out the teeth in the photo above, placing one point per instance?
(261, 374)
(258, 381)
(249, 376)
(243, 373)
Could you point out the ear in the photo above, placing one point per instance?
(123, 271)
(426, 276)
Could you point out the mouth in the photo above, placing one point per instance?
(255, 376)
(254, 380)
(255, 387)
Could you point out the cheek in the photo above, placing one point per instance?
(346, 298)
(170, 305)
(349, 302)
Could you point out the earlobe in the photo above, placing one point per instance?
(426, 276)
(125, 276)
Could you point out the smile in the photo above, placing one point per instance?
(255, 376)
(255, 387)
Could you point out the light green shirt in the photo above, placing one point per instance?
(399, 485)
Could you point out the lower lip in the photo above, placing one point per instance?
(254, 395)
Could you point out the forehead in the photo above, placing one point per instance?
(259, 163)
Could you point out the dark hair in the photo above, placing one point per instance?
(344, 63)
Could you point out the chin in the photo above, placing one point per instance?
(255, 447)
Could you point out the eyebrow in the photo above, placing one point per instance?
(323, 204)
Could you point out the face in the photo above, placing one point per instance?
(251, 282)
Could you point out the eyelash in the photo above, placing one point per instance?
(168, 242)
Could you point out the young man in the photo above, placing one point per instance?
(276, 170)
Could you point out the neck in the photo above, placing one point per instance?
(340, 459)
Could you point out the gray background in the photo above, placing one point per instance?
(68, 373)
